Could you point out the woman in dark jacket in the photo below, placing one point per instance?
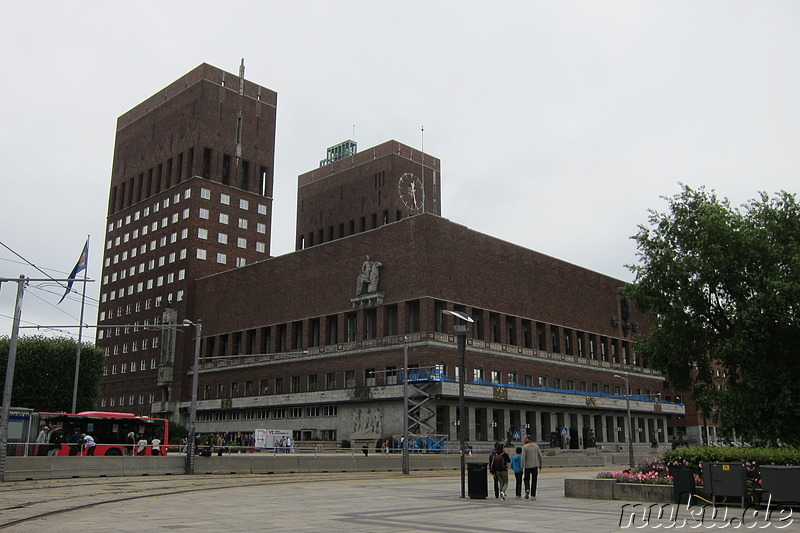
(499, 469)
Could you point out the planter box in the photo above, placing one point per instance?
(640, 492)
(592, 489)
(610, 489)
(781, 482)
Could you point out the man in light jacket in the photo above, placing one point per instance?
(532, 463)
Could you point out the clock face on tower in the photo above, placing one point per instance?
(411, 193)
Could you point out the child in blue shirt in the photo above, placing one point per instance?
(516, 466)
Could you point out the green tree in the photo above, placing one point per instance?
(722, 288)
(44, 373)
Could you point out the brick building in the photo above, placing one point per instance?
(314, 341)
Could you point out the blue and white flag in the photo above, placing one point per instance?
(79, 266)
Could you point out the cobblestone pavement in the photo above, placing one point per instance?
(327, 503)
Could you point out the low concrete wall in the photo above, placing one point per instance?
(22, 468)
(609, 489)
(590, 489)
(640, 492)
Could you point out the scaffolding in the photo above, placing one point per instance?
(339, 151)
(421, 382)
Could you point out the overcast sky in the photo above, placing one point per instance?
(558, 123)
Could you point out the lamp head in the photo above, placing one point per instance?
(459, 314)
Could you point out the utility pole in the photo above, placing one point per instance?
(9, 385)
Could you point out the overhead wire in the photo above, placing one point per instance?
(39, 326)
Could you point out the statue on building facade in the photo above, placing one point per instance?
(369, 277)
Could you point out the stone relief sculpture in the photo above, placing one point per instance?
(369, 277)
(367, 423)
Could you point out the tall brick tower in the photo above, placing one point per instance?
(190, 196)
(352, 192)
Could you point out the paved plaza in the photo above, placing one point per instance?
(320, 503)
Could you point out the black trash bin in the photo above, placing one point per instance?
(477, 482)
(682, 486)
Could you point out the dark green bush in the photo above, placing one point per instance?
(693, 457)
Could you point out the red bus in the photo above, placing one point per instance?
(109, 430)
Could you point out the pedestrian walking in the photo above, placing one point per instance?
(532, 465)
(492, 453)
(499, 469)
(516, 467)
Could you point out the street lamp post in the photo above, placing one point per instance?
(460, 331)
(405, 409)
(630, 425)
(190, 445)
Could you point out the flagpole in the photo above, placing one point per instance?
(80, 332)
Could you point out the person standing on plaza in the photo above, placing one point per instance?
(41, 441)
(89, 444)
(75, 441)
(492, 453)
(155, 446)
(516, 466)
(499, 469)
(532, 465)
(56, 438)
(130, 443)
(141, 446)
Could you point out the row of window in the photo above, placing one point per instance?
(159, 178)
(224, 199)
(144, 285)
(309, 411)
(123, 367)
(202, 233)
(113, 401)
(120, 311)
(325, 330)
(328, 381)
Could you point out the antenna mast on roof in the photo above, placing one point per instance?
(422, 134)
(239, 118)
